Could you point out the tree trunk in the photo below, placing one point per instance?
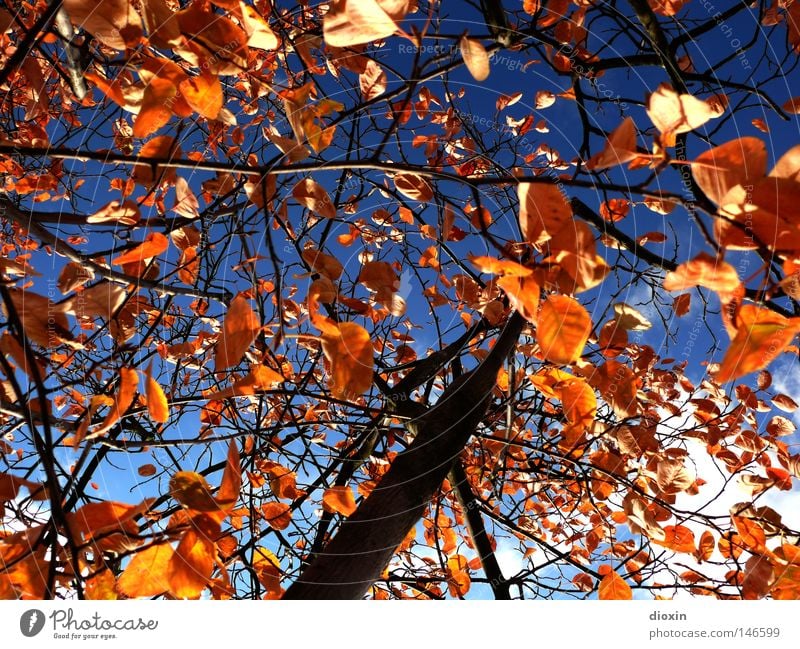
(355, 558)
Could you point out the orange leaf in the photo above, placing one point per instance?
(104, 19)
(159, 95)
(543, 211)
(157, 405)
(282, 481)
(563, 329)
(523, 294)
(782, 478)
(706, 271)
(128, 382)
(190, 566)
(350, 354)
(705, 547)
(339, 500)
(458, 579)
(323, 264)
(751, 533)
(191, 490)
(761, 336)
(500, 266)
(260, 378)
(43, 322)
(204, 94)
(414, 187)
(278, 515)
(313, 196)
(268, 571)
(677, 538)
(159, 148)
(147, 574)
(239, 330)
(612, 586)
(722, 168)
(154, 244)
(619, 148)
(231, 483)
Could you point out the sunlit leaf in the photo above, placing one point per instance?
(351, 23)
(147, 574)
(563, 329)
(475, 58)
(339, 500)
(239, 330)
(612, 586)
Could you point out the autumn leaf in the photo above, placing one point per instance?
(323, 264)
(154, 245)
(190, 566)
(414, 187)
(352, 23)
(42, 322)
(126, 391)
(475, 58)
(349, 352)
(282, 481)
(673, 113)
(523, 295)
(705, 547)
(761, 336)
(204, 94)
(751, 533)
(620, 148)
(231, 483)
(543, 211)
(192, 491)
(123, 213)
(706, 271)
(106, 20)
(722, 168)
(562, 330)
(162, 147)
(504, 267)
(147, 573)
(268, 571)
(259, 378)
(239, 330)
(278, 515)
(612, 586)
(311, 195)
(458, 581)
(157, 405)
(372, 81)
(154, 111)
(339, 500)
(678, 538)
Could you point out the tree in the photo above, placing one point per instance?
(399, 299)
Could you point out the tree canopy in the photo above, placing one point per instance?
(399, 299)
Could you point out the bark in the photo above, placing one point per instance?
(357, 555)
